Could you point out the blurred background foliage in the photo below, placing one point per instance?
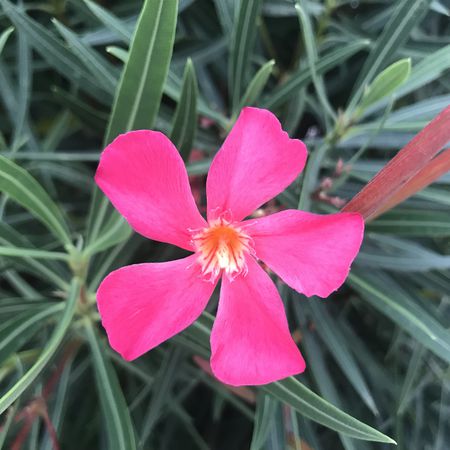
(356, 80)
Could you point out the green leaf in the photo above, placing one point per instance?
(257, 84)
(110, 21)
(141, 86)
(115, 410)
(242, 41)
(310, 405)
(25, 190)
(226, 12)
(32, 253)
(333, 338)
(185, 120)
(115, 231)
(309, 39)
(60, 401)
(428, 69)
(102, 70)
(11, 238)
(298, 396)
(88, 116)
(385, 83)
(49, 350)
(162, 385)
(265, 411)
(302, 77)
(425, 71)
(22, 328)
(407, 14)
(412, 222)
(387, 297)
(52, 50)
(120, 53)
(400, 255)
(414, 367)
(323, 377)
(7, 425)
(4, 37)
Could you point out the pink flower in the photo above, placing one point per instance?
(143, 305)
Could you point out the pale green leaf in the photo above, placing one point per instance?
(25, 190)
(49, 350)
(117, 417)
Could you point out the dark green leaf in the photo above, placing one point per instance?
(185, 120)
(141, 85)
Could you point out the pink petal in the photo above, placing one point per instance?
(143, 175)
(250, 339)
(256, 162)
(145, 304)
(310, 252)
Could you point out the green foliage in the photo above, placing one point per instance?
(185, 118)
(355, 80)
(140, 87)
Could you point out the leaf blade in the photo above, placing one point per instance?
(185, 120)
(141, 84)
(50, 349)
(118, 420)
(25, 190)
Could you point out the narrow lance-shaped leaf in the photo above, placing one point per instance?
(302, 77)
(32, 253)
(11, 238)
(52, 50)
(141, 85)
(256, 86)
(385, 83)
(111, 22)
(23, 327)
(298, 396)
(115, 410)
(243, 39)
(309, 404)
(407, 14)
(25, 190)
(185, 120)
(265, 410)
(49, 350)
(402, 310)
(140, 88)
(115, 231)
(311, 53)
(93, 61)
(335, 341)
(118, 52)
(4, 37)
(412, 222)
(162, 385)
(323, 378)
(423, 72)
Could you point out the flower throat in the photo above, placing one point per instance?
(222, 246)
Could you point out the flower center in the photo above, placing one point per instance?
(222, 246)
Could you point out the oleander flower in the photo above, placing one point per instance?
(142, 305)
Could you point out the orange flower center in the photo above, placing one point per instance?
(222, 246)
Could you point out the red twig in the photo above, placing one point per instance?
(395, 180)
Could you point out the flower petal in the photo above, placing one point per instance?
(143, 175)
(250, 339)
(145, 304)
(256, 162)
(312, 253)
